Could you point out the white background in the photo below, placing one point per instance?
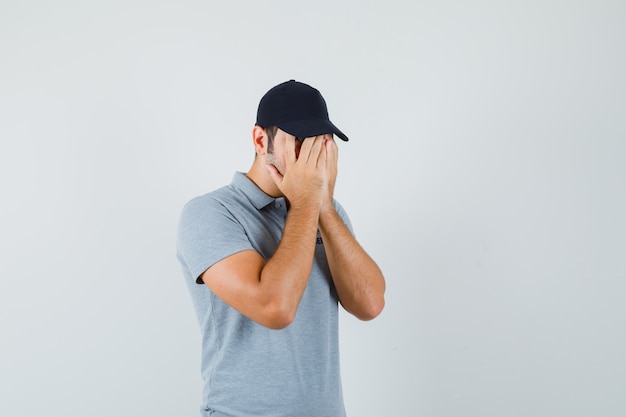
(485, 174)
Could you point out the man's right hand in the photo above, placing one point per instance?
(304, 182)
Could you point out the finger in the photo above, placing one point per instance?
(316, 149)
(322, 157)
(290, 149)
(332, 150)
(305, 149)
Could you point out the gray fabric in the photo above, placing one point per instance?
(248, 369)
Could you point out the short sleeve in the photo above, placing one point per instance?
(207, 233)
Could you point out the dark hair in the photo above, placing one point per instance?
(271, 133)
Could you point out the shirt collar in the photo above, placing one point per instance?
(256, 196)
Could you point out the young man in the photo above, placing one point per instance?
(267, 259)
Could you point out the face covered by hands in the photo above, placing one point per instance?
(304, 171)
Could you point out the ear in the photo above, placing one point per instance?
(259, 140)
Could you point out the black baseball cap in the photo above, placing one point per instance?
(297, 109)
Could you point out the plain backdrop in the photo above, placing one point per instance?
(485, 173)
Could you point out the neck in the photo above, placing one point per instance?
(258, 174)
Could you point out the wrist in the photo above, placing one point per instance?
(327, 212)
(304, 213)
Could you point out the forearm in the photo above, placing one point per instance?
(359, 282)
(285, 275)
(269, 291)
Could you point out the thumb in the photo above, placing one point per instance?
(274, 174)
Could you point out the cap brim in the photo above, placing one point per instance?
(310, 128)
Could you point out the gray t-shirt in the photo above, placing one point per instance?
(248, 369)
